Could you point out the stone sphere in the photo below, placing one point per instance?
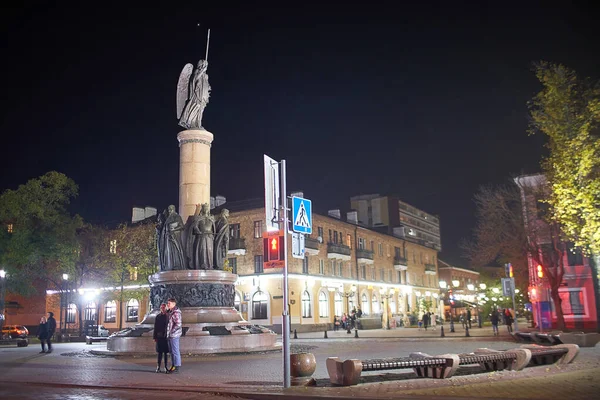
(302, 364)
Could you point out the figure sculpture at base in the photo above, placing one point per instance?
(221, 239)
(203, 231)
(170, 247)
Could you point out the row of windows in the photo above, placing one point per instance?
(90, 312)
(339, 238)
(341, 269)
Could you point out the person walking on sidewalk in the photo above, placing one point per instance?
(469, 317)
(495, 318)
(160, 336)
(51, 329)
(508, 319)
(433, 322)
(174, 329)
(43, 333)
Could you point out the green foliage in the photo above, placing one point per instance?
(425, 305)
(128, 254)
(567, 111)
(43, 242)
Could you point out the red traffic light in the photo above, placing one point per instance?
(273, 248)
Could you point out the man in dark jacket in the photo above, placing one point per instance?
(51, 330)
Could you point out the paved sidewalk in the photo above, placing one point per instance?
(258, 376)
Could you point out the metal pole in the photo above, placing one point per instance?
(285, 322)
(513, 299)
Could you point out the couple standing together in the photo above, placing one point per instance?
(167, 331)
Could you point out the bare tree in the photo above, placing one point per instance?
(506, 231)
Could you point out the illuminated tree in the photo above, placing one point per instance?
(567, 111)
(38, 239)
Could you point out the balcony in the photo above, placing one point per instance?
(237, 246)
(364, 256)
(311, 246)
(338, 251)
(400, 264)
(430, 269)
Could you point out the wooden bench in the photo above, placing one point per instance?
(348, 372)
(544, 355)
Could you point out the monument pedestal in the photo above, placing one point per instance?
(210, 322)
(194, 170)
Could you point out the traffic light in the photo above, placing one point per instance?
(540, 271)
(508, 269)
(273, 249)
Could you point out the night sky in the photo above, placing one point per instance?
(427, 103)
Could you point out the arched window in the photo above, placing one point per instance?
(133, 307)
(323, 305)
(110, 311)
(259, 305)
(375, 304)
(365, 304)
(338, 304)
(237, 301)
(71, 311)
(306, 305)
(90, 312)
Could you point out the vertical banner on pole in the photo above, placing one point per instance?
(272, 193)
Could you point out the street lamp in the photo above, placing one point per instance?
(2, 291)
(386, 296)
(64, 300)
(347, 295)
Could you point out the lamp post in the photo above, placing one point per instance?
(64, 301)
(347, 295)
(386, 296)
(2, 292)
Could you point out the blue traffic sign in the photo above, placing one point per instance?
(301, 215)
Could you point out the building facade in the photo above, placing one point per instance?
(345, 266)
(391, 215)
(459, 287)
(576, 288)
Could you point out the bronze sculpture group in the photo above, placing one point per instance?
(202, 243)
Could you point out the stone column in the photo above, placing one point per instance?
(194, 170)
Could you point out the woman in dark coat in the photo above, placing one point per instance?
(43, 333)
(160, 336)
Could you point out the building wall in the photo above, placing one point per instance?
(400, 288)
(576, 289)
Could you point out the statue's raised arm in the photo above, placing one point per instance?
(192, 95)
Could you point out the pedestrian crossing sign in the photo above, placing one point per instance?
(301, 215)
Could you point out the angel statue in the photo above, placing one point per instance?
(192, 95)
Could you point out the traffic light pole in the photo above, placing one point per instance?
(285, 323)
(514, 304)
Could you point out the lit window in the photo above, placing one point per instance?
(110, 311)
(113, 247)
(375, 304)
(338, 304)
(90, 313)
(323, 305)
(365, 304)
(258, 229)
(237, 301)
(9, 228)
(306, 305)
(259, 305)
(133, 307)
